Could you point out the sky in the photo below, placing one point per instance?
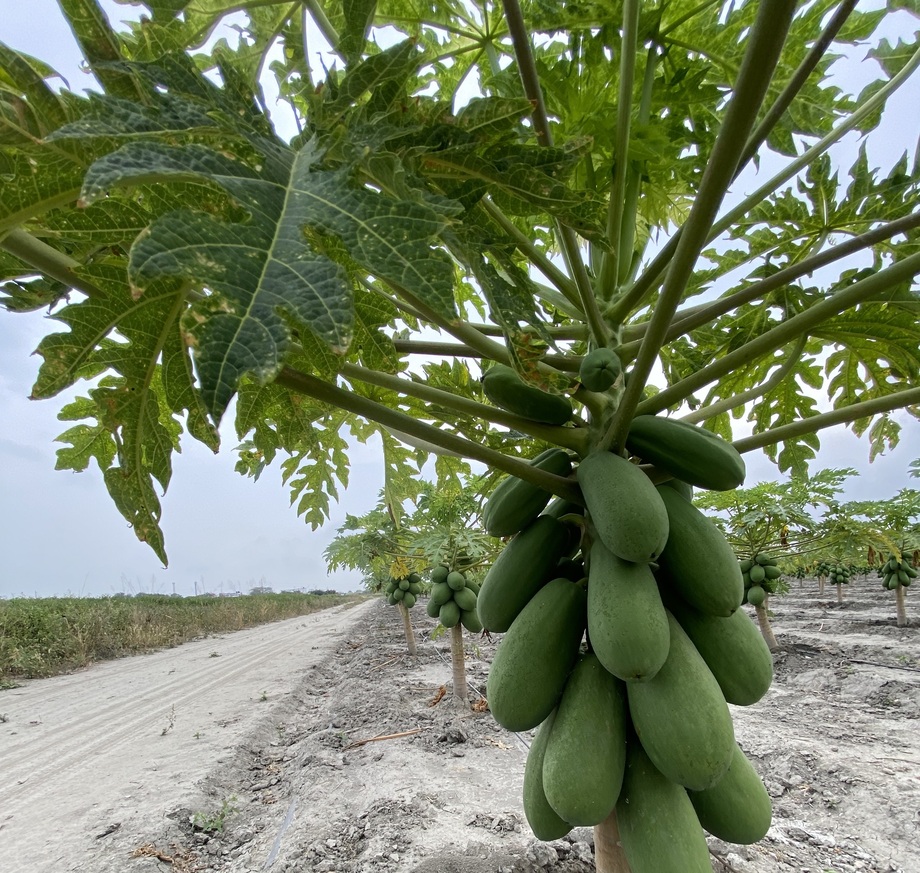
(60, 533)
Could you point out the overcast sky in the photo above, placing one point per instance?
(61, 534)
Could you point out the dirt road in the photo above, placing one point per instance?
(114, 749)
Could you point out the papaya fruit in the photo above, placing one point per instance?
(439, 574)
(559, 507)
(465, 598)
(449, 614)
(627, 622)
(659, 830)
(456, 581)
(398, 594)
(526, 563)
(507, 390)
(433, 608)
(591, 715)
(772, 572)
(689, 453)
(737, 808)
(470, 620)
(697, 560)
(757, 574)
(535, 657)
(408, 600)
(404, 584)
(391, 599)
(515, 503)
(544, 821)
(625, 508)
(599, 369)
(756, 595)
(682, 488)
(441, 592)
(681, 717)
(733, 649)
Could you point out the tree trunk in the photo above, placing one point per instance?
(902, 608)
(608, 853)
(458, 664)
(764, 621)
(820, 586)
(840, 593)
(407, 626)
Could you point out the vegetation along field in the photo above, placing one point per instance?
(570, 265)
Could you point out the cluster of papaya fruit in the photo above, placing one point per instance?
(760, 575)
(835, 572)
(453, 599)
(404, 590)
(898, 571)
(623, 635)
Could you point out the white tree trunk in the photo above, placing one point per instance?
(899, 593)
(608, 853)
(458, 665)
(763, 619)
(840, 593)
(407, 626)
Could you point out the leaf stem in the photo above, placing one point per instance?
(757, 66)
(324, 25)
(627, 77)
(48, 260)
(325, 392)
(571, 438)
(844, 415)
(876, 284)
(736, 400)
(566, 363)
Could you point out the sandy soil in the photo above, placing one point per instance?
(287, 784)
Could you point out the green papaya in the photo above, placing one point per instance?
(433, 608)
(470, 620)
(733, 649)
(659, 830)
(682, 488)
(465, 598)
(625, 508)
(599, 369)
(507, 390)
(756, 595)
(697, 560)
(391, 599)
(404, 584)
(772, 572)
(439, 574)
(591, 715)
(757, 574)
(449, 614)
(456, 581)
(515, 503)
(627, 623)
(737, 808)
(535, 657)
(441, 592)
(473, 585)
(745, 565)
(560, 507)
(764, 559)
(689, 453)
(681, 717)
(544, 821)
(398, 594)
(414, 579)
(526, 563)
(408, 600)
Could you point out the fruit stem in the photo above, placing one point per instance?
(608, 851)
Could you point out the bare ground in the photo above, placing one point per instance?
(288, 784)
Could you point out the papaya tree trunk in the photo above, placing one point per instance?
(840, 593)
(608, 853)
(407, 626)
(458, 664)
(901, 606)
(763, 619)
(820, 586)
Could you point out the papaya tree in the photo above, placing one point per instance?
(492, 229)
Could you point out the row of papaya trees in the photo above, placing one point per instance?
(490, 230)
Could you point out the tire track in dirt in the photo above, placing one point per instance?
(140, 731)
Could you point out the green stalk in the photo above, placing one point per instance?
(324, 25)
(788, 331)
(760, 58)
(567, 363)
(736, 400)
(570, 438)
(654, 272)
(845, 415)
(325, 392)
(47, 260)
(627, 77)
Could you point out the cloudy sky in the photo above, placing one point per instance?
(60, 533)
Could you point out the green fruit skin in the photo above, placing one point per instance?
(745, 565)
(764, 560)
(534, 658)
(544, 821)
(682, 488)
(737, 808)
(510, 392)
(599, 369)
(626, 510)
(466, 600)
(757, 574)
(627, 622)
(470, 621)
(399, 594)
(515, 503)
(433, 608)
(659, 830)
(756, 595)
(583, 788)
(771, 572)
(522, 568)
(404, 584)
(559, 507)
(441, 592)
(689, 453)
(391, 599)
(681, 717)
(456, 581)
(409, 600)
(697, 560)
(733, 649)
(439, 574)
(449, 614)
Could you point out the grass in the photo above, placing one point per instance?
(46, 636)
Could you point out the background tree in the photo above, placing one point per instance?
(358, 276)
